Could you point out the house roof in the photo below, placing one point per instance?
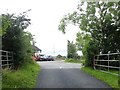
(36, 48)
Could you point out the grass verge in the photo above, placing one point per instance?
(73, 61)
(111, 80)
(25, 77)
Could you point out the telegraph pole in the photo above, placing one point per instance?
(53, 50)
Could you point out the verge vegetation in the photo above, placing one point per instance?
(17, 40)
(73, 60)
(24, 77)
(111, 80)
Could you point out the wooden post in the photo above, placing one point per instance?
(12, 60)
(108, 62)
(94, 63)
(0, 59)
(7, 59)
(100, 62)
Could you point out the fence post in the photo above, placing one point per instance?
(0, 59)
(7, 59)
(119, 71)
(94, 63)
(108, 62)
(100, 62)
(12, 60)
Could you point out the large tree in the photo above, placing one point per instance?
(71, 50)
(100, 23)
(15, 39)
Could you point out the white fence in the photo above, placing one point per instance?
(106, 62)
(6, 59)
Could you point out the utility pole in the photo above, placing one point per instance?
(53, 50)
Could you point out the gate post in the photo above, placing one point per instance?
(94, 62)
(108, 62)
(7, 60)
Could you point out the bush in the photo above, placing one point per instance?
(15, 39)
(73, 60)
(91, 49)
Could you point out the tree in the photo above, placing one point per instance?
(59, 56)
(100, 22)
(71, 51)
(15, 39)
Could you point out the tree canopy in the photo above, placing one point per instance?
(71, 50)
(100, 25)
(15, 38)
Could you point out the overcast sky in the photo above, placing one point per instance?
(45, 16)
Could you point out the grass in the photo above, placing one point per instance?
(73, 61)
(111, 80)
(0, 80)
(25, 77)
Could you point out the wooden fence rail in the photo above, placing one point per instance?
(107, 62)
(6, 59)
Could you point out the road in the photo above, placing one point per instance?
(59, 74)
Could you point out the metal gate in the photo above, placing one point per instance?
(6, 59)
(107, 63)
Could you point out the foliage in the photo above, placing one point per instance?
(71, 51)
(59, 56)
(73, 60)
(4, 24)
(25, 77)
(90, 50)
(15, 39)
(99, 23)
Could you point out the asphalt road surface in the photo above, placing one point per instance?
(59, 74)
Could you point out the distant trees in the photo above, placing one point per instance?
(100, 26)
(59, 56)
(15, 39)
(72, 50)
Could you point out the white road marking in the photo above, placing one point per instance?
(60, 67)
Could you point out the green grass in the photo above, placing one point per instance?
(111, 80)
(114, 71)
(73, 61)
(25, 77)
(0, 81)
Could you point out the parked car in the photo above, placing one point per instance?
(50, 58)
(41, 58)
(45, 58)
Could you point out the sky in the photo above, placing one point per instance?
(45, 17)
